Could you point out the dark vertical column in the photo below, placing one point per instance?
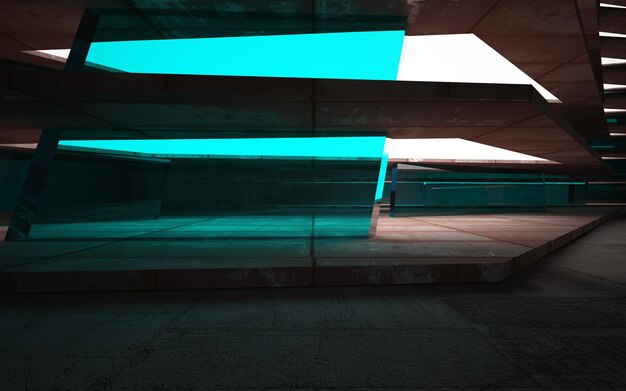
(571, 194)
(546, 190)
(394, 186)
(380, 187)
(34, 184)
(578, 194)
(82, 41)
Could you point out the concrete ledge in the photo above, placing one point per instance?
(121, 274)
(541, 251)
(77, 281)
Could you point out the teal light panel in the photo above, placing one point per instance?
(382, 174)
(372, 55)
(304, 147)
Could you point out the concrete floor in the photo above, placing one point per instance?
(560, 325)
(293, 250)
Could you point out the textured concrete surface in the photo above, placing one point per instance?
(558, 325)
(556, 43)
(547, 40)
(188, 253)
(514, 117)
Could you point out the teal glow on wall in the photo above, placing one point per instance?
(371, 55)
(499, 183)
(331, 148)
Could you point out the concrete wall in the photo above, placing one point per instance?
(13, 168)
(92, 188)
(457, 189)
(257, 183)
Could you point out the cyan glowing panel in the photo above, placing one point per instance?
(380, 186)
(372, 55)
(295, 147)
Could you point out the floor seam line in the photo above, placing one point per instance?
(484, 236)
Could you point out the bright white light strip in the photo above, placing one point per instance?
(614, 111)
(411, 167)
(20, 146)
(612, 61)
(62, 53)
(453, 150)
(605, 5)
(609, 87)
(51, 54)
(462, 58)
(617, 134)
(613, 157)
(611, 35)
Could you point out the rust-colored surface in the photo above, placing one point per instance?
(553, 42)
(409, 249)
(512, 117)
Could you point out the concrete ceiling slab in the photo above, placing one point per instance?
(236, 106)
(551, 41)
(446, 17)
(615, 75)
(547, 135)
(550, 50)
(439, 131)
(541, 38)
(615, 101)
(532, 17)
(613, 47)
(612, 19)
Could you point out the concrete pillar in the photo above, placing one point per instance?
(30, 197)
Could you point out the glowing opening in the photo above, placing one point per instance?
(454, 150)
(461, 58)
(414, 167)
(59, 55)
(408, 150)
(371, 55)
(614, 111)
(609, 87)
(605, 5)
(611, 35)
(612, 61)
(27, 146)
